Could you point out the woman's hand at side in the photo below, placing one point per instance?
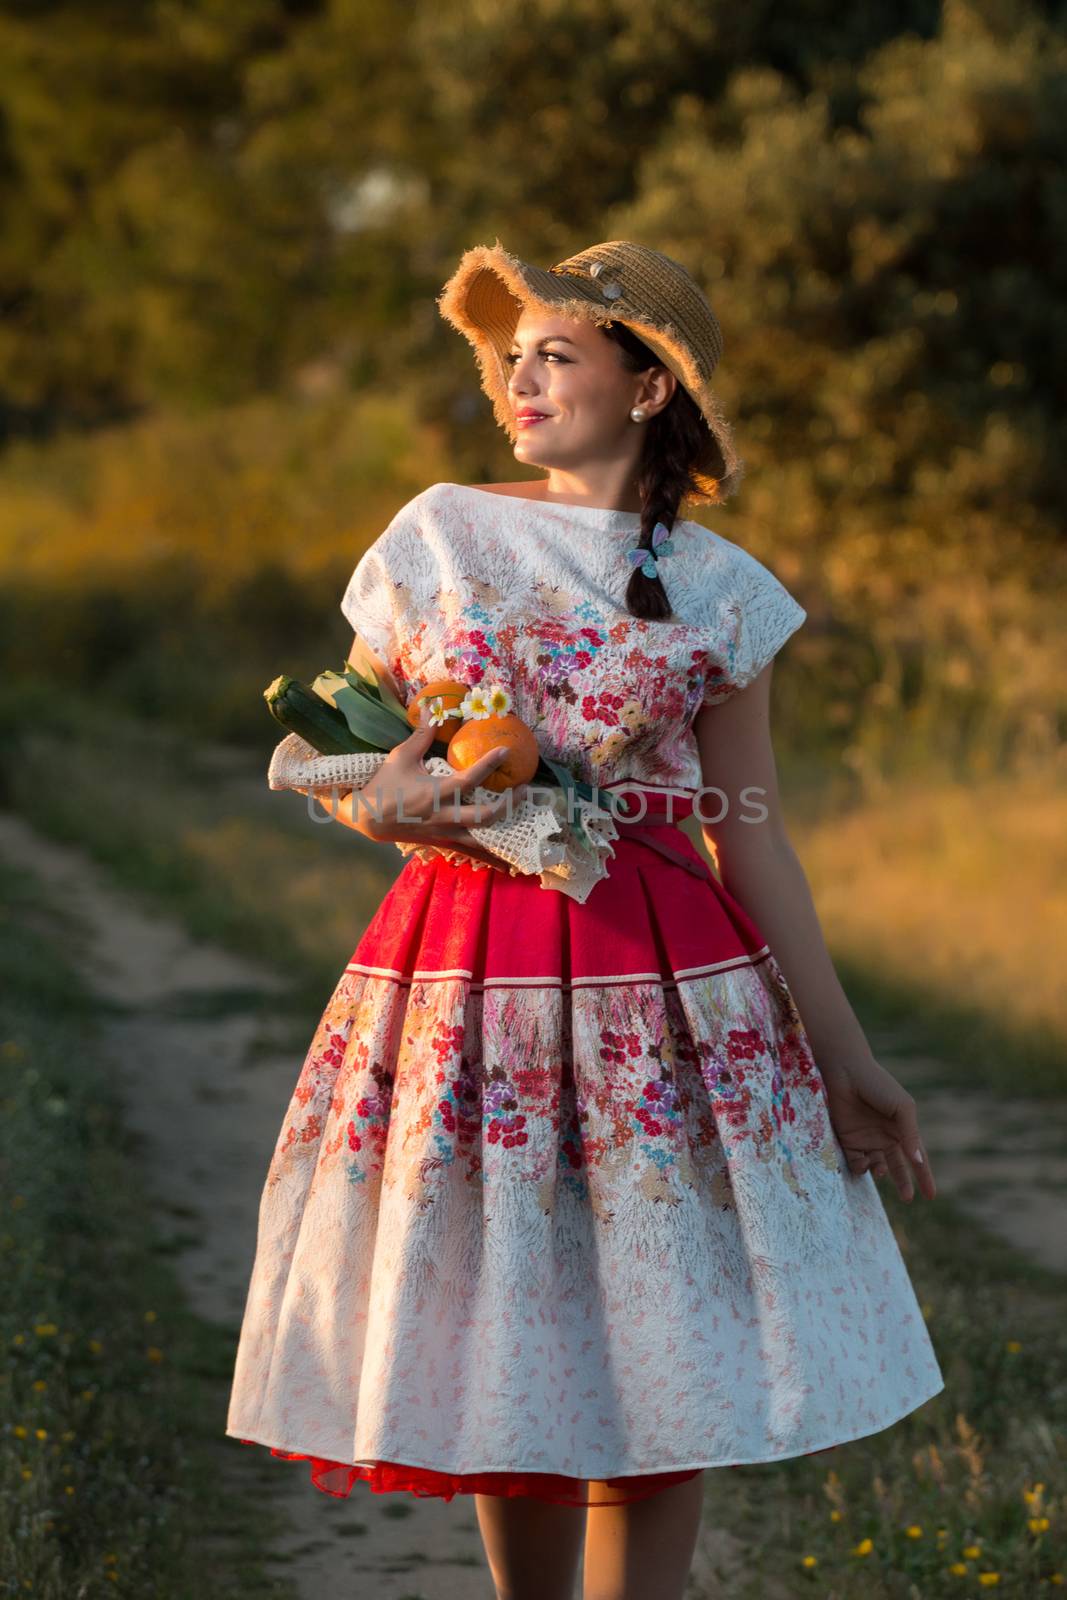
(876, 1123)
(404, 803)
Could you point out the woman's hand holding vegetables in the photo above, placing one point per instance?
(404, 803)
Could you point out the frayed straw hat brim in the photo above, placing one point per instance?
(486, 294)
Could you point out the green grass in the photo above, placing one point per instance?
(958, 1469)
(113, 1479)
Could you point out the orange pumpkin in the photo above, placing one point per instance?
(478, 735)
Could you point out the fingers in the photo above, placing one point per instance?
(420, 738)
(924, 1172)
(911, 1150)
(470, 777)
(859, 1161)
(894, 1160)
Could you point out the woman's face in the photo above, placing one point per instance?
(565, 369)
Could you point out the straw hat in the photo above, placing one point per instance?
(613, 282)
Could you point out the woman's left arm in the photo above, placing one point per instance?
(874, 1117)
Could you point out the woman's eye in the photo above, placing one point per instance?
(512, 358)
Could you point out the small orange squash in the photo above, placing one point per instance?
(478, 735)
(452, 696)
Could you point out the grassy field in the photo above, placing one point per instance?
(967, 1494)
(949, 901)
(113, 1478)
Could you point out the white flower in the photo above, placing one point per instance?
(439, 714)
(476, 704)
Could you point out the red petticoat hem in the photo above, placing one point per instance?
(338, 1478)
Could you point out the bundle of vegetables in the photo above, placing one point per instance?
(356, 712)
(343, 727)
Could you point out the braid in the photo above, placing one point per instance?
(673, 442)
(662, 480)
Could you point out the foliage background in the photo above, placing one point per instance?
(222, 367)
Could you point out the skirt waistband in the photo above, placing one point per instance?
(652, 812)
(647, 806)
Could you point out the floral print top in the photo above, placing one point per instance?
(485, 588)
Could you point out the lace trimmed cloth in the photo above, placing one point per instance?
(538, 839)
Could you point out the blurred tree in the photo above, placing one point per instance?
(208, 199)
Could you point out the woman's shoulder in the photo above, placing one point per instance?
(718, 578)
(436, 503)
(720, 560)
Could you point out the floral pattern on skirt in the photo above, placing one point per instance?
(557, 1196)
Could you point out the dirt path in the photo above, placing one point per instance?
(206, 1072)
(207, 1068)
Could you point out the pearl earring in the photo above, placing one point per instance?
(638, 413)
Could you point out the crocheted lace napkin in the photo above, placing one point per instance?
(539, 838)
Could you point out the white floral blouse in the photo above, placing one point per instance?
(481, 587)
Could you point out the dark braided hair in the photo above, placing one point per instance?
(674, 439)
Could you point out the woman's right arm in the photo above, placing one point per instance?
(404, 803)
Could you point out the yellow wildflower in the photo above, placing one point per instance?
(95, 1346)
(988, 1579)
(959, 1569)
(835, 1515)
(154, 1353)
(808, 1561)
(45, 1328)
(19, 1431)
(42, 1433)
(39, 1384)
(68, 1488)
(1014, 1346)
(1037, 1524)
(914, 1532)
(864, 1547)
(972, 1551)
(150, 1316)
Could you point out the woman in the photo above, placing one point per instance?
(570, 1203)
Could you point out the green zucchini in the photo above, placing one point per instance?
(300, 710)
